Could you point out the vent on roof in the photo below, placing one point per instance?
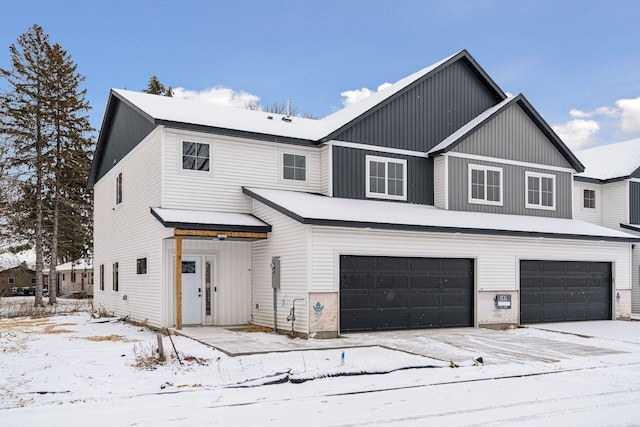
(286, 119)
(270, 117)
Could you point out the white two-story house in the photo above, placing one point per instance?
(437, 202)
(608, 193)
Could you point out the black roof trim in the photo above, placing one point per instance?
(427, 228)
(601, 181)
(544, 127)
(213, 227)
(632, 227)
(463, 55)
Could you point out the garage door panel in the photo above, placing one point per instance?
(407, 293)
(556, 291)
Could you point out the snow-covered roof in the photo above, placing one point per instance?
(204, 220)
(82, 264)
(610, 161)
(321, 210)
(195, 112)
(470, 126)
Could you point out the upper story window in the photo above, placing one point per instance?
(119, 189)
(11, 280)
(386, 178)
(485, 185)
(541, 190)
(589, 199)
(141, 266)
(195, 156)
(294, 167)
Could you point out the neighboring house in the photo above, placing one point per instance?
(436, 202)
(20, 276)
(74, 279)
(608, 193)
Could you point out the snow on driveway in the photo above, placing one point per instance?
(70, 370)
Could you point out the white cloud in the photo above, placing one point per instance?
(579, 114)
(629, 114)
(218, 95)
(577, 133)
(353, 96)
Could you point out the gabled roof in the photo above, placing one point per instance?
(201, 116)
(485, 117)
(611, 162)
(209, 220)
(321, 210)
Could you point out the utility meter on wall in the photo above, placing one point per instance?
(275, 272)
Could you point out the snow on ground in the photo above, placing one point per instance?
(73, 369)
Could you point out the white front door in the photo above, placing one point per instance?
(191, 291)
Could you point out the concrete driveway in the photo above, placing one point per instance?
(534, 344)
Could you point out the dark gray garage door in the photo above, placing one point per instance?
(387, 293)
(557, 291)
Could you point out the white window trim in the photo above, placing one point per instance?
(595, 199)
(528, 205)
(115, 190)
(386, 161)
(194, 171)
(306, 163)
(145, 275)
(484, 201)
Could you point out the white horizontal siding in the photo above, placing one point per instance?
(615, 204)
(289, 241)
(439, 181)
(128, 231)
(235, 162)
(497, 258)
(592, 215)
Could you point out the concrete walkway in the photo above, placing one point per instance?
(457, 344)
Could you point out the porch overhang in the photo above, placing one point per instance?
(191, 224)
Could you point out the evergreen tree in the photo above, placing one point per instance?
(46, 125)
(154, 87)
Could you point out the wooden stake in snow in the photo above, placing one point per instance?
(174, 346)
(160, 348)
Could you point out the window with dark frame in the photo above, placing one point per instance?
(589, 199)
(102, 277)
(12, 280)
(116, 282)
(73, 277)
(119, 189)
(294, 167)
(195, 156)
(141, 266)
(32, 280)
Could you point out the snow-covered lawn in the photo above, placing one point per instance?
(72, 369)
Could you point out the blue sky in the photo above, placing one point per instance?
(578, 62)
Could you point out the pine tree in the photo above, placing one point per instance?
(46, 125)
(154, 87)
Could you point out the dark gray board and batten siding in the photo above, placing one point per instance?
(349, 167)
(634, 202)
(513, 178)
(415, 119)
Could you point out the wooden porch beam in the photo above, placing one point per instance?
(229, 234)
(178, 282)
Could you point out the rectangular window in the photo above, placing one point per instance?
(294, 167)
(12, 280)
(141, 266)
(590, 199)
(485, 185)
(386, 178)
(32, 280)
(102, 277)
(119, 189)
(195, 156)
(63, 277)
(540, 191)
(116, 281)
(73, 277)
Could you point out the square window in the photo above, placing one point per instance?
(485, 185)
(294, 167)
(141, 266)
(12, 280)
(386, 178)
(195, 156)
(32, 280)
(589, 199)
(540, 191)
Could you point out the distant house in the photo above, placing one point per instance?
(74, 279)
(20, 276)
(608, 193)
(437, 202)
